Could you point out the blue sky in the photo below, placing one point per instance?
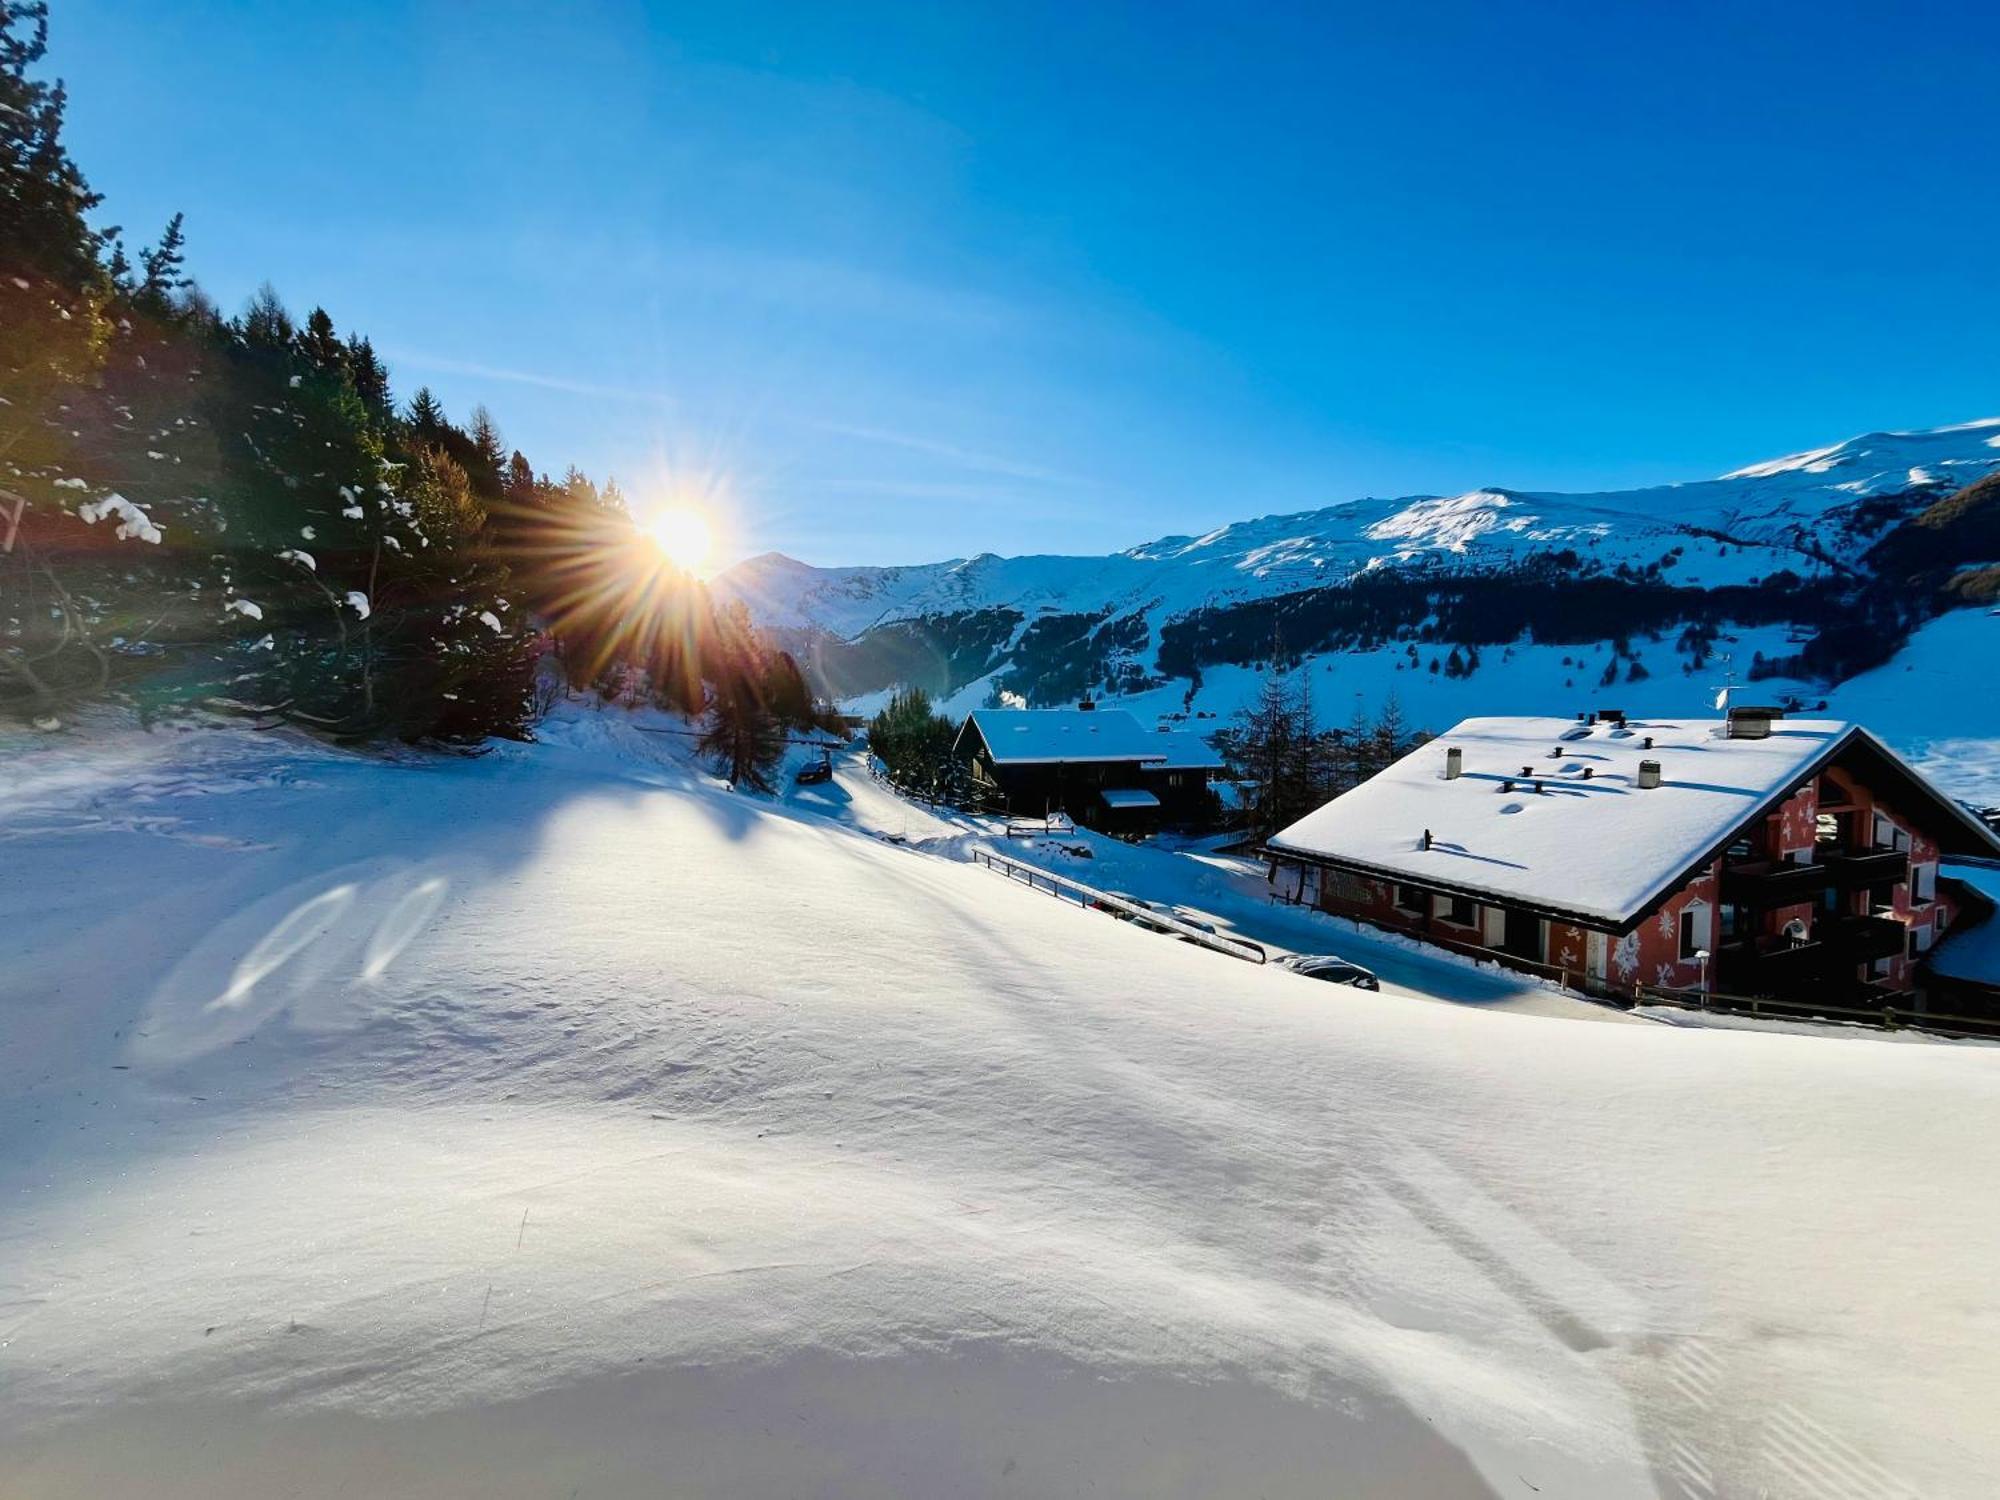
(890, 283)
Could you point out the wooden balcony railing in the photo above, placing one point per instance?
(1869, 867)
(1764, 884)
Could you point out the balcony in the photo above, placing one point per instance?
(1770, 966)
(1764, 884)
(1868, 867)
(1863, 939)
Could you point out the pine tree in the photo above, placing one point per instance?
(53, 289)
(521, 485)
(164, 266)
(489, 454)
(742, 732)
(1265, 750)
(914, 742)
(1391, 732)
(425, 419)
(320, 345)
(371, 381)
(265, 324)
(741, 735)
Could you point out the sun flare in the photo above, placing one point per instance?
(683, 537)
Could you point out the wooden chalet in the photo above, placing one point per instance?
(1751, 856)
(1101, 766)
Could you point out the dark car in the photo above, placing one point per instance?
(1331, 968)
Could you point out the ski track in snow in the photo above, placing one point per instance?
(557, 1122)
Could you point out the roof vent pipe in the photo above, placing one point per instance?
(1646, 743)
(1454, 763)
(1649, 773)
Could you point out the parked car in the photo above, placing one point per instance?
(1130, 900)
(1332, 968)
(815, 772)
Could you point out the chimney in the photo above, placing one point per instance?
(1454, 763)
(1588, 772)
(1086, 705)
(1527, 770)
(1752, 723)
(1507, 786)
(1647, 743)
(1649, 773)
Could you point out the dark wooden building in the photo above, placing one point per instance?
(1101, 766)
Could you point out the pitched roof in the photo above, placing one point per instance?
(1601, 848)
(1044, 736)
(1185, 752)
(1970, 949)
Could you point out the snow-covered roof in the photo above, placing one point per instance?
(1044, 736)
(1600, 847)
(1128, 797)
(1185, 752)
(1972, 951)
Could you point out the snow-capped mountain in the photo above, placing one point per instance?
(1770, 545)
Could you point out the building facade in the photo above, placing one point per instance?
(1747, 857)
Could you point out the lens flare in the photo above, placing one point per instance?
(683, 537)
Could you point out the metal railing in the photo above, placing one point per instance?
(1087, 896)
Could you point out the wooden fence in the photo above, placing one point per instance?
(1888, 1017)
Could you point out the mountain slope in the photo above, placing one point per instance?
(1780, 546)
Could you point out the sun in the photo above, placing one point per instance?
(683, 537)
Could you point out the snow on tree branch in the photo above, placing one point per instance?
(133, 523)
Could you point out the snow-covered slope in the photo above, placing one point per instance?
(1785, 513)
(556, 1123)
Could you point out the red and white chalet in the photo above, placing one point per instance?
(1756, 855)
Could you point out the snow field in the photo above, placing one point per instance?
(557, 1121)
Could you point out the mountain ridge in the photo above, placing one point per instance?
(1782, 544)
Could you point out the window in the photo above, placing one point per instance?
(1923, 883)
(1412, 900)
(1694, 930)
(1920, 941)
(1461, 912)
